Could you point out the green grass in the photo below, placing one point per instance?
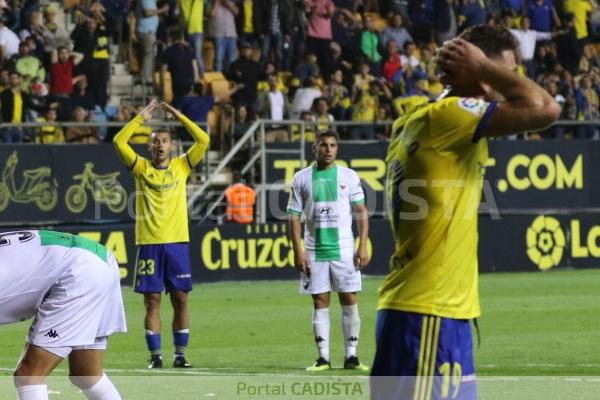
(533, 324)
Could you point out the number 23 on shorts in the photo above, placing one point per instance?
(145, 267)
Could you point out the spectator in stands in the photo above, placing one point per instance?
(309, 68)
(242, 124)
(470, 13)
(9, 41)
(147, 12)
(321, 114)
(296, 36)
(116, 14)
(222, 14)
(542, 15)
(527, 41)
(366, 104)
(61, 79)
(248, 21)
(338, 96)
(590, 60)
(240, 201)
(81, 95)
(179, 60)
(580, 10)
(48, 134)
(33, 27)
(393, 63)
(4, 78)
(91, 40)
(422, 16)
(557, 131)
(304, 98)
(273, 104)
(13, 109)
(517, 6)
(309, 128)
(344, 32)
(409, 59)
(197, 103)
(320, 13)
(54, 35)
(369, 45)
(81, 134)
(363, 78)
(384, 114)
(274, 17)
(192, 12)
(245, 72)
(567, 45)
(396, 32)
(28, 66)
(339, 61)
(445, 23)
(588, 105)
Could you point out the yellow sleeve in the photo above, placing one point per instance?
(121, 141)
(196, 152)
(458, 121)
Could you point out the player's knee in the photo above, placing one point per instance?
(321, 301)
(84, 382)
(25, 375)
(152, 303)
(179, 299)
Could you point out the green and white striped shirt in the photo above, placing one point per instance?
(325, 198)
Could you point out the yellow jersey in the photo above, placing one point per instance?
(161, 200)
(435, 167)
(161, 214)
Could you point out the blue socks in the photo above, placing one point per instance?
(153, 342)
(180, 340)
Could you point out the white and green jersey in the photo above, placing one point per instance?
(32, 261)
(326, 197)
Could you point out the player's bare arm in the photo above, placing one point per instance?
(362, 220)
(300, 259)
(523, 105)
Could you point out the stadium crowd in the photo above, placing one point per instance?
(315, 60)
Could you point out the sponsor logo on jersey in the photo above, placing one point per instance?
(325, 210)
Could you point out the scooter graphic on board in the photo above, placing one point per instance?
(105, 189)
(36, 187)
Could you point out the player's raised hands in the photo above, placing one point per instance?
(146, 112)
(461, 62)
(170, 109)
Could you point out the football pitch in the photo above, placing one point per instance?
(540, 334)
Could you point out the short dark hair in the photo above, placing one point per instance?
(198, 88)
(493, 40)
(327, 133)
(175, 34)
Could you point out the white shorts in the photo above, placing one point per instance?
(340, 276)
(81, 309)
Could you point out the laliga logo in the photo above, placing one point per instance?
(545, 242)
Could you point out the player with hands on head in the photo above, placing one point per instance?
(437, 155)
